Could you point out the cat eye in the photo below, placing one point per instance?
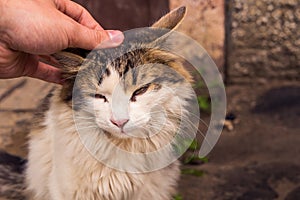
(100, 96)
(140, 91)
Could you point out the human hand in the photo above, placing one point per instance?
(29, 28)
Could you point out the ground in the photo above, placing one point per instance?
(258, 159)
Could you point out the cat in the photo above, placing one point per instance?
(12, 178)
(108, 130)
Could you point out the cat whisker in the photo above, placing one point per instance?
(182, 118)
(86, 127)
(85, 120)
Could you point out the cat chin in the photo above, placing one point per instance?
(117, 133)
(125, 134)
(121, 135)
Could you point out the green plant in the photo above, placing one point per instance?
(204, 103)
(204, 159)
(194, 145)
(194, 172)
(193, 158)
(177, 197)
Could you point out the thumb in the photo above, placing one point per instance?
(90, 38)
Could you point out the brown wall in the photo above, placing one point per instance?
(260, 37)
(204, 21)
(126, 14)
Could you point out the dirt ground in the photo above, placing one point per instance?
(258, 159)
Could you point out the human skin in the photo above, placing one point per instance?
(29, 28)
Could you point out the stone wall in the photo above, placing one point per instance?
(263, 40)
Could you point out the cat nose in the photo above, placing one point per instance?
(119, 122)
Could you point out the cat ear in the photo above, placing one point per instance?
(67, 59)
(172, 19)
(163, 28)
(68, 62)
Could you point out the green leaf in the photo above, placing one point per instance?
(204, 103)
(193, 172)
(194, 145)
(194, 158)
(204, 159)
(177, 197)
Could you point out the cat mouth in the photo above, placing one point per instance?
(119, 132)
(122, 131)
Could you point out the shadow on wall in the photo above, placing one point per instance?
(123, 14)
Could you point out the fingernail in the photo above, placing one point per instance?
(116, 37)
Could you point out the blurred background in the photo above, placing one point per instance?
(256, 46)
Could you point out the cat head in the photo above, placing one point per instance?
(135, 88)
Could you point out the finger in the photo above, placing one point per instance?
(47, 73)
(86, 38)
(36, 69)
(78, 13)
